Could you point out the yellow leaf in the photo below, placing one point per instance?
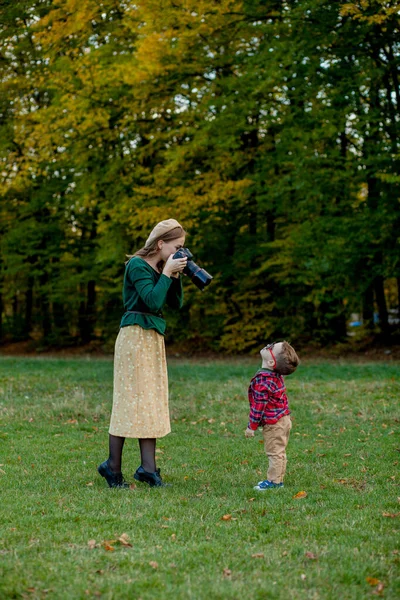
(300, 495)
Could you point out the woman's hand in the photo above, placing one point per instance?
(173, 266)
(249, 433)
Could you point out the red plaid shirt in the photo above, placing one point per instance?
(267, 398)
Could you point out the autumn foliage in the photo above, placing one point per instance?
(269, 135)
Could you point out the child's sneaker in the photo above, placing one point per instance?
(267, 485)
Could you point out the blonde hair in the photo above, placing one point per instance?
(151, 249)
(287, 360)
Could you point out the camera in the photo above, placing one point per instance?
(199, 276)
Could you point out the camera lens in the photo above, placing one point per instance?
(199, 276)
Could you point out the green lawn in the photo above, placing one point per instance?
(344, 452)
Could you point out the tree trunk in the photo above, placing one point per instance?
(45, 308)
(398, 297)
(368, 308)
(270, 226)
(1, 317)
(382, 306)
(29, 306)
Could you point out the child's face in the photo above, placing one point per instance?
(270, 353)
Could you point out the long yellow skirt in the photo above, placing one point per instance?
(140, 401)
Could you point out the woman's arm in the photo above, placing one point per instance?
(175, 293)
(154, 296)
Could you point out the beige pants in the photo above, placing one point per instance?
(276, 438)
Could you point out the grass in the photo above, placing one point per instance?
(341, 541)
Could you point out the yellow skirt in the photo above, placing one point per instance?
(140, 401)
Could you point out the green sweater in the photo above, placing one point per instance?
(147, 291)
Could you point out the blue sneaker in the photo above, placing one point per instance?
(267, 485)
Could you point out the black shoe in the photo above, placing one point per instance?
(114, 480)
(153, 479)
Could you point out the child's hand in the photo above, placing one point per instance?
(249, 433)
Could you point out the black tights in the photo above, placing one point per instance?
(147, 453)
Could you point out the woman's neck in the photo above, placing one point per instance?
(153, 262)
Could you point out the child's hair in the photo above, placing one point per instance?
(151, 249)
(287, 360)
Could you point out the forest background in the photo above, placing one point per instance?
(270, 129)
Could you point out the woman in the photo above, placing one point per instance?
(140, 401)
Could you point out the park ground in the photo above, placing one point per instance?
(64, 534)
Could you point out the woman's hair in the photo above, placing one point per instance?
(152, 248)
(287, 360)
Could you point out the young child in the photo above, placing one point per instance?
(269, 408)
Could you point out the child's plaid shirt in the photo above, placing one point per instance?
(267, 398)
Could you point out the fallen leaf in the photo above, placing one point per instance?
(390, 515)
(71, 422)
(108, 547)
(226, 518)
(90, 483)
(153, 564)
(124, 539)
(132, 486)
(251, 500)
(284, 553)
(300, 495)
(346, 454)
(173, 537)
(372, 580)
(303, 577)
(227, 573)
(91, 544)
(379, 589)
(311, 556)
(258, 555)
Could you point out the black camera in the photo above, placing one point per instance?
(199, 276)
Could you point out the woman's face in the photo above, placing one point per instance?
(168, 248)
